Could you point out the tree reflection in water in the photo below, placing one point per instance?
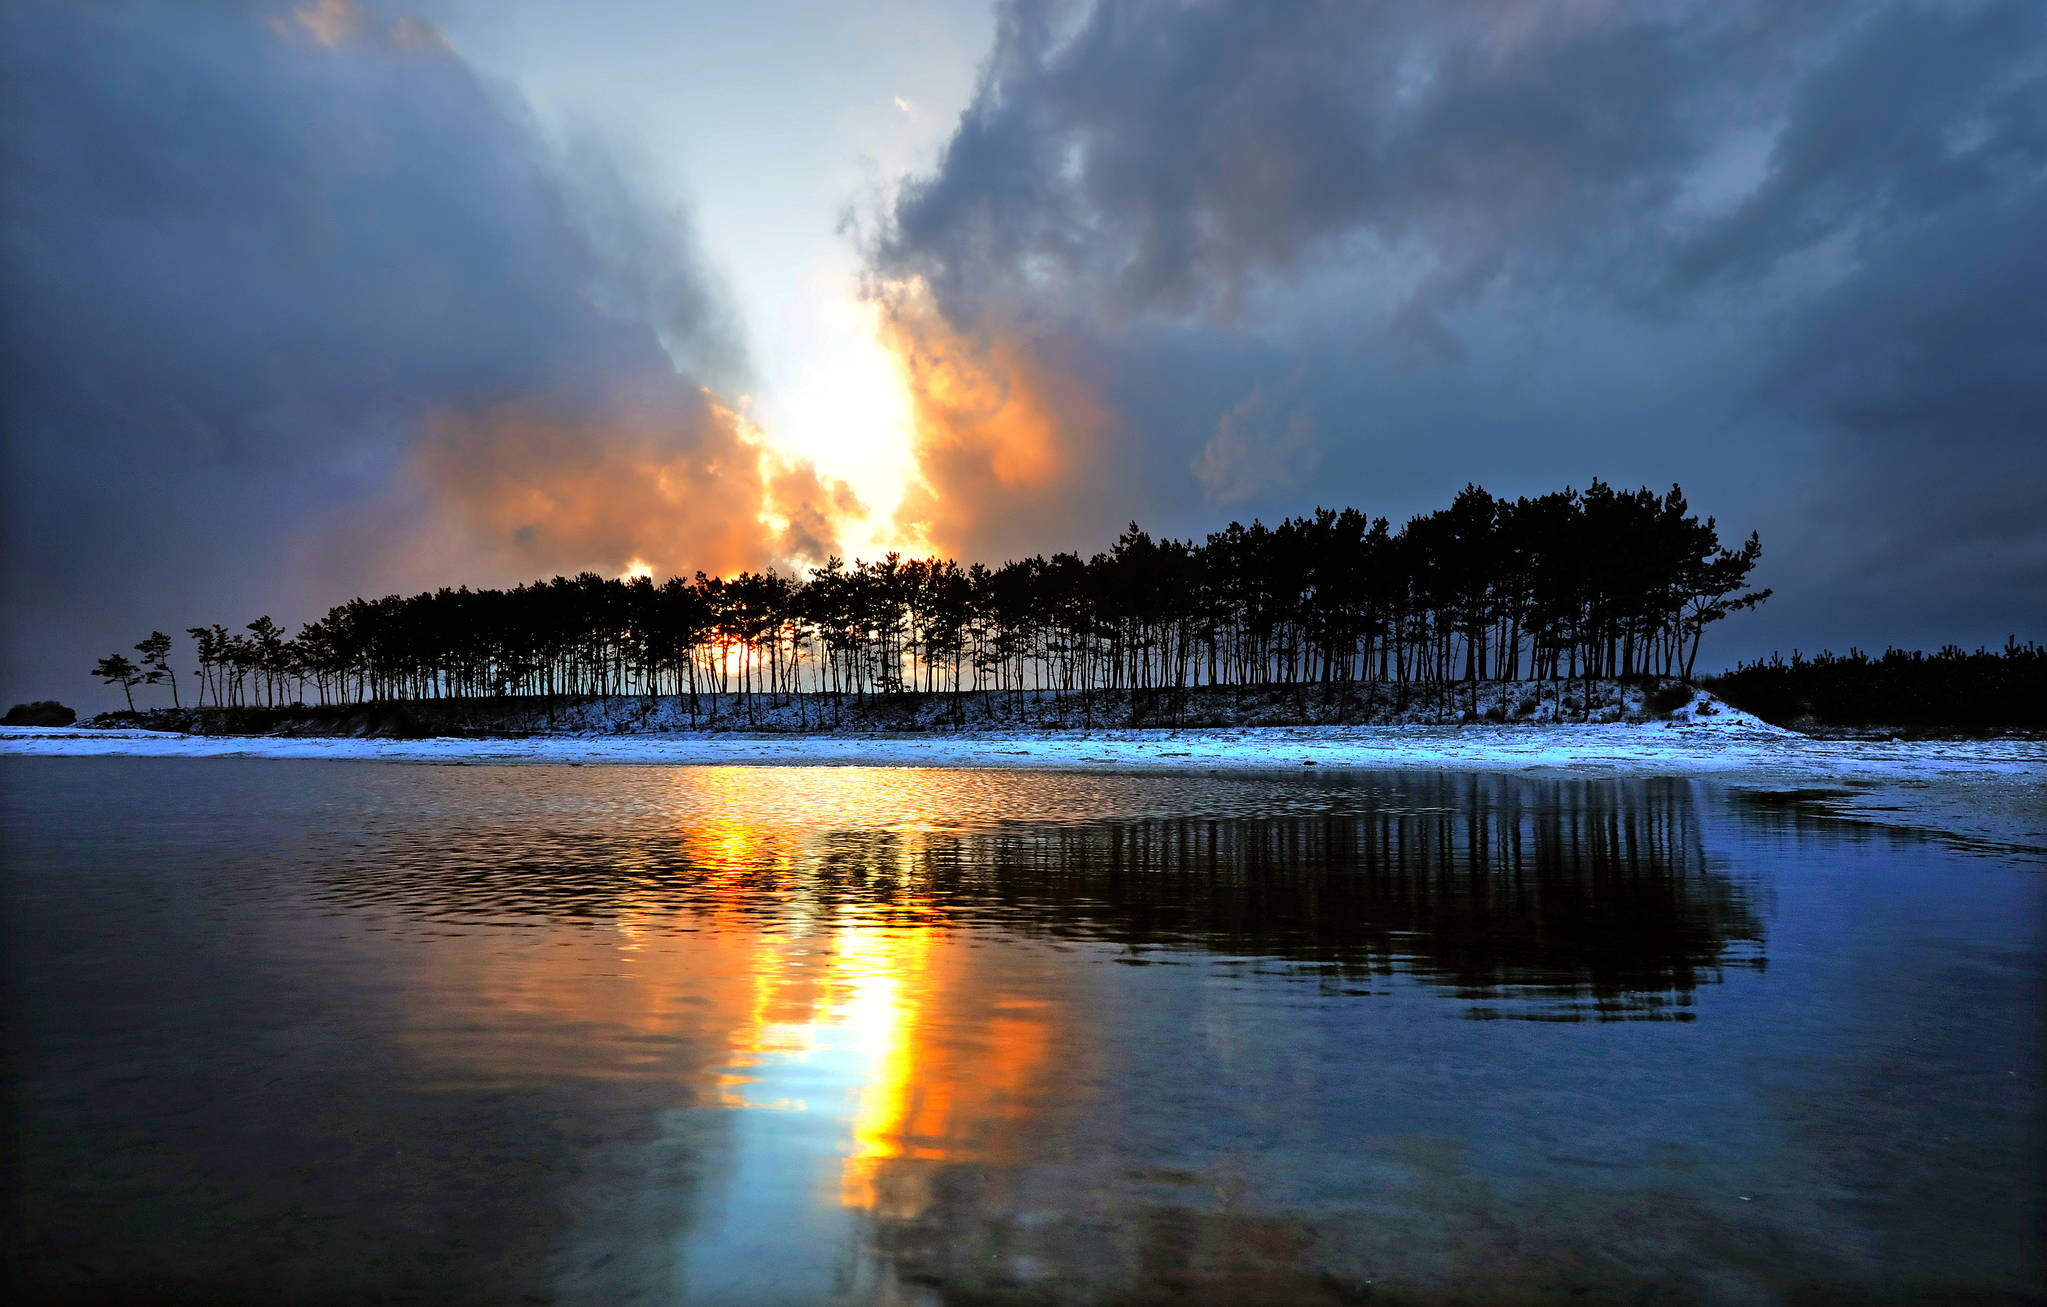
(813, 1035)
(1541, 900)
(821, 928)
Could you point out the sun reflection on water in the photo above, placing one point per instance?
(871, 1010)
(883, 972)
(925, 1064)
(858, 989)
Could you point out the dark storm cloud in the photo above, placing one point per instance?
(1917, 110)
(265, 269)
(1787, 253)
(1165, 155)
(1921, 364)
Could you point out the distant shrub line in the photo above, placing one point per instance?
(1985, 690)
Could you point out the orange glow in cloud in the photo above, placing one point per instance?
(969, 442)
(335, 23)
(658, 489)
(1000, 433)
(330, 22)
(976, 442)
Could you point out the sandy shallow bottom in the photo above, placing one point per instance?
(1992, 791)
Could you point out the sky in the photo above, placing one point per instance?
(305, 299)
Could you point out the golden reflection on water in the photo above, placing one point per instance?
(885, 973)
(928, 1061)
(723, 799)
(866, 1008)
(941, 1085)
(928, 1080)
(893, 998)
(859, 978)
(928, 1065)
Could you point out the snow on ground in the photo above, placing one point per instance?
(1516, 703)
(1644, 748)
(1991, 790)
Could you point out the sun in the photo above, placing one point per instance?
(847, 410)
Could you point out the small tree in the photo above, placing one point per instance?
(1711, 582)
(115, 669)
(268, 660)
(156, 662)
(211, 642)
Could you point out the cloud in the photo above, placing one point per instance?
(532, 491)
(1257, 448)
(295, 307)
(1003, 430)
(1164, 158)
(645, 265)
(1525, 245)
(328, 22)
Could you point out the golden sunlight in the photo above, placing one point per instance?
(994, 422)
(850, 414)
(663, 486)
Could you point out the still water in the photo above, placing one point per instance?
(346, 1032)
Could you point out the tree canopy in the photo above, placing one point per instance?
(1595, 584)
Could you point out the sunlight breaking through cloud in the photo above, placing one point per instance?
(660, 487)
(1000, 429)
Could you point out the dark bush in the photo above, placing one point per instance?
(1668, 697)
(43, 712)
(2003, 689)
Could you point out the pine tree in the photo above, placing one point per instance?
(115, 669)
(156, 662)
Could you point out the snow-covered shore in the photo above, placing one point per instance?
(1976, 789)
(1208, 707)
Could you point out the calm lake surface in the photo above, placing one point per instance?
(345, 1032)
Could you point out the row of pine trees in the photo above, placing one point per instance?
(1599, 584)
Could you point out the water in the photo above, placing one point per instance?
(343, 1032)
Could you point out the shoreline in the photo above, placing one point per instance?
(1668, 747)
(1989, 792)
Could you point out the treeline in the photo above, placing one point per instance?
(1600, 584)
(1989, 689)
